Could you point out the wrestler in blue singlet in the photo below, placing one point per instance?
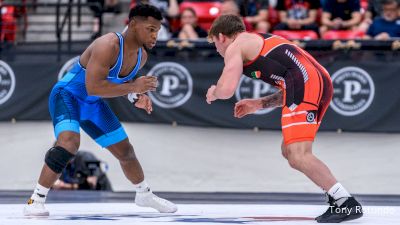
(71, 107)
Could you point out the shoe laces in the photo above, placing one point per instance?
(330, 200)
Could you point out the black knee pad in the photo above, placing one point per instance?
(57, 158)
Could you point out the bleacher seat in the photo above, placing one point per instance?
(8, 24)
(364, 4)
(342, 35)
(297, 35)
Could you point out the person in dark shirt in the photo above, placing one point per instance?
(230, 7)
(340, 15)
(371, 12)
(189, 30)
(255, 12)
(388, 25)
(298, 14)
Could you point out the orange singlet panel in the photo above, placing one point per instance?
(306, 85)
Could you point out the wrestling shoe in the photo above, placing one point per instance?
(349, 210)
(35, 208)
(148, 199)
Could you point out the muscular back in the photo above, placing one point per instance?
(250, 45)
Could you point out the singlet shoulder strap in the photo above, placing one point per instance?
(138, 63)
(265, 35)
(118, 66)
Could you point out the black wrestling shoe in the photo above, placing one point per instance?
(349, 210)
(331, 202)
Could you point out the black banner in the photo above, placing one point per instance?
(366, 93)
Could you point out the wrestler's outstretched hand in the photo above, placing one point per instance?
(144, 102)
(246, 106)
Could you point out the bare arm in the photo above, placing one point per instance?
(231, 74)
(283, 16)
(249, 106)
(188, 33)
(173, 9)
(368, 15)
(97, 70)
(355, 20)
(261, 16)
(133, 97)
(326, 19)
(272, 101)
(312, 17)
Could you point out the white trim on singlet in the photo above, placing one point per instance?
(294, 113)
(265, 55)
(297, 124)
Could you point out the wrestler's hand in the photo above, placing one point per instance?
(210, 94)
(144, 84)
(246, 106)
(144, 102)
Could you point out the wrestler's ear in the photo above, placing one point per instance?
(131, 23)
(221, 37)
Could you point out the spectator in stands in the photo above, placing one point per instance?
(83, 173)
(255, 12)
(113, 6)
(231, 7)
(386, 26)
(168, 8)
(97, 7)
(189, 30)
(340, 15)
(370, 13)
(298, 14)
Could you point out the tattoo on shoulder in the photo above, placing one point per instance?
(272, 101)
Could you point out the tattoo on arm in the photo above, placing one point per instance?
(272, 101)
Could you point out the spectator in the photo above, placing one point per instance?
(231, 7)
(340, 15)
(371, 12)
(298, 14)
(255, 12)
(388, 25)
(97, 7)
(83, 173)
(113, 6)
(189, 30)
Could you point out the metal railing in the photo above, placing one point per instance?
(63, 12)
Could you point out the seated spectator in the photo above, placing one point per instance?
(189, 29)
(113, 6)
(340, 15)
(388, 25)
(298, 15)
(255, 12)
(371, 12)
(231, 7)
(97, 7)
(83, 173)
